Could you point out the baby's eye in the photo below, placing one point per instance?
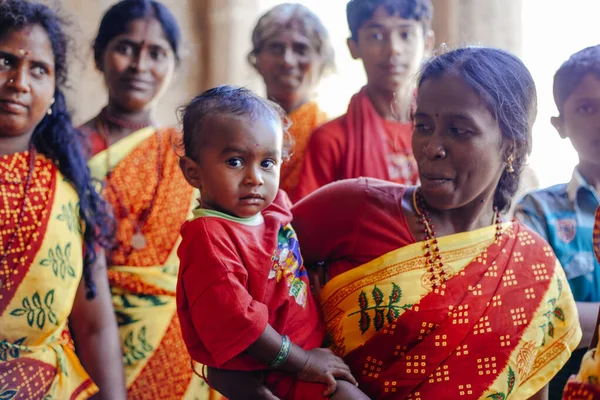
(267, 164)
(234, 162)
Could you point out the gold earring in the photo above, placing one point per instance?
(510, 161)
(49, 112)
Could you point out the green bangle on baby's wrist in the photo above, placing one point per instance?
(284, 352)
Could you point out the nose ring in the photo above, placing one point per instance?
(11, 81)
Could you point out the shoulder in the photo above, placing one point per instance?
(550, 197)
(368, 192)
(331, 131)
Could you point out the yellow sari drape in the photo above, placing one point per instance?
(143, 281)
(38, 283)
(500, 327)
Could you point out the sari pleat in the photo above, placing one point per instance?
(143, 281)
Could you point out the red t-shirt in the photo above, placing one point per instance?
(351, 222)
(238, 274)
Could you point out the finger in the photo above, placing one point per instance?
(331, 386)
(345, 375)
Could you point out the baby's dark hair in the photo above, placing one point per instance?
(115, 20)
(229, 101)
(572, 72)
(360, 11)
(55, 136)
(503, 82)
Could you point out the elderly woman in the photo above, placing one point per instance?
(58, 333)
(291, 51)
(429, 293)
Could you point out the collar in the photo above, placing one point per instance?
(576, 184)
(250, 221)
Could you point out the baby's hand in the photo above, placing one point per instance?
(324, 367)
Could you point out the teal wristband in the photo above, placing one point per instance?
(284, 352)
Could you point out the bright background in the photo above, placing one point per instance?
(552, 31)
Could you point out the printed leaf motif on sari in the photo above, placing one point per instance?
(511, 381)
(60, 261)
(555, 313)
(381, 311)
(36, 312)
(133, 352)
(70, 215)
(8, 394)
(12, 350)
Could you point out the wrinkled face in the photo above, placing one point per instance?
(138, 65)
(27, 80)
(580, 119)
(289, 65)
(237, 165)
(391, 49)
(457, 144)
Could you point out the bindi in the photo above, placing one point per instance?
(24, 53)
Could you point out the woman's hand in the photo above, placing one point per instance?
(239, 385)
(325, 367)
(96, 335)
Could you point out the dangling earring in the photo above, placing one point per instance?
(49, 112)
(510, 161)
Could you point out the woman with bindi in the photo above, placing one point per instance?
(137, 50)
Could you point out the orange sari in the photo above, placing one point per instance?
(499, 328)
(305, 120)
(143, 281)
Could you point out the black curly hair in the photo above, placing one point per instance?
(55, 136)
(507, 87)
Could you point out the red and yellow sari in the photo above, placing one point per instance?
(38, 282)
(499, 328)
(304, 120)
(143, 282)
(586, 385)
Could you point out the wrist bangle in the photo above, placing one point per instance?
(284, 352)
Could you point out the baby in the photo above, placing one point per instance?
(243, 294)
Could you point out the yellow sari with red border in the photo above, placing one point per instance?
(499, 328)
(143, 282)
(586, 385)
(38, 283)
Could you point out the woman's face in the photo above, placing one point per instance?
(27, 80)
(138, 65)
(457, 143)
(289, 65)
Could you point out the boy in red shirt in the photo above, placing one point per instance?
(243, 294)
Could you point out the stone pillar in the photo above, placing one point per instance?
(228, 29)
(496, 23)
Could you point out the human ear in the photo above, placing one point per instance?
(353, 47)
(191, 171)
(557, 123)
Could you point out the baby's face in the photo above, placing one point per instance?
(239, 163)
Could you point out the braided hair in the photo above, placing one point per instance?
(55, 136)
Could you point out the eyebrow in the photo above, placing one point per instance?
(230, 150)
(138, 44)
(460, 116)
(375, 25)
(12, 56)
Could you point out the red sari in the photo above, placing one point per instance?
(500, 327)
